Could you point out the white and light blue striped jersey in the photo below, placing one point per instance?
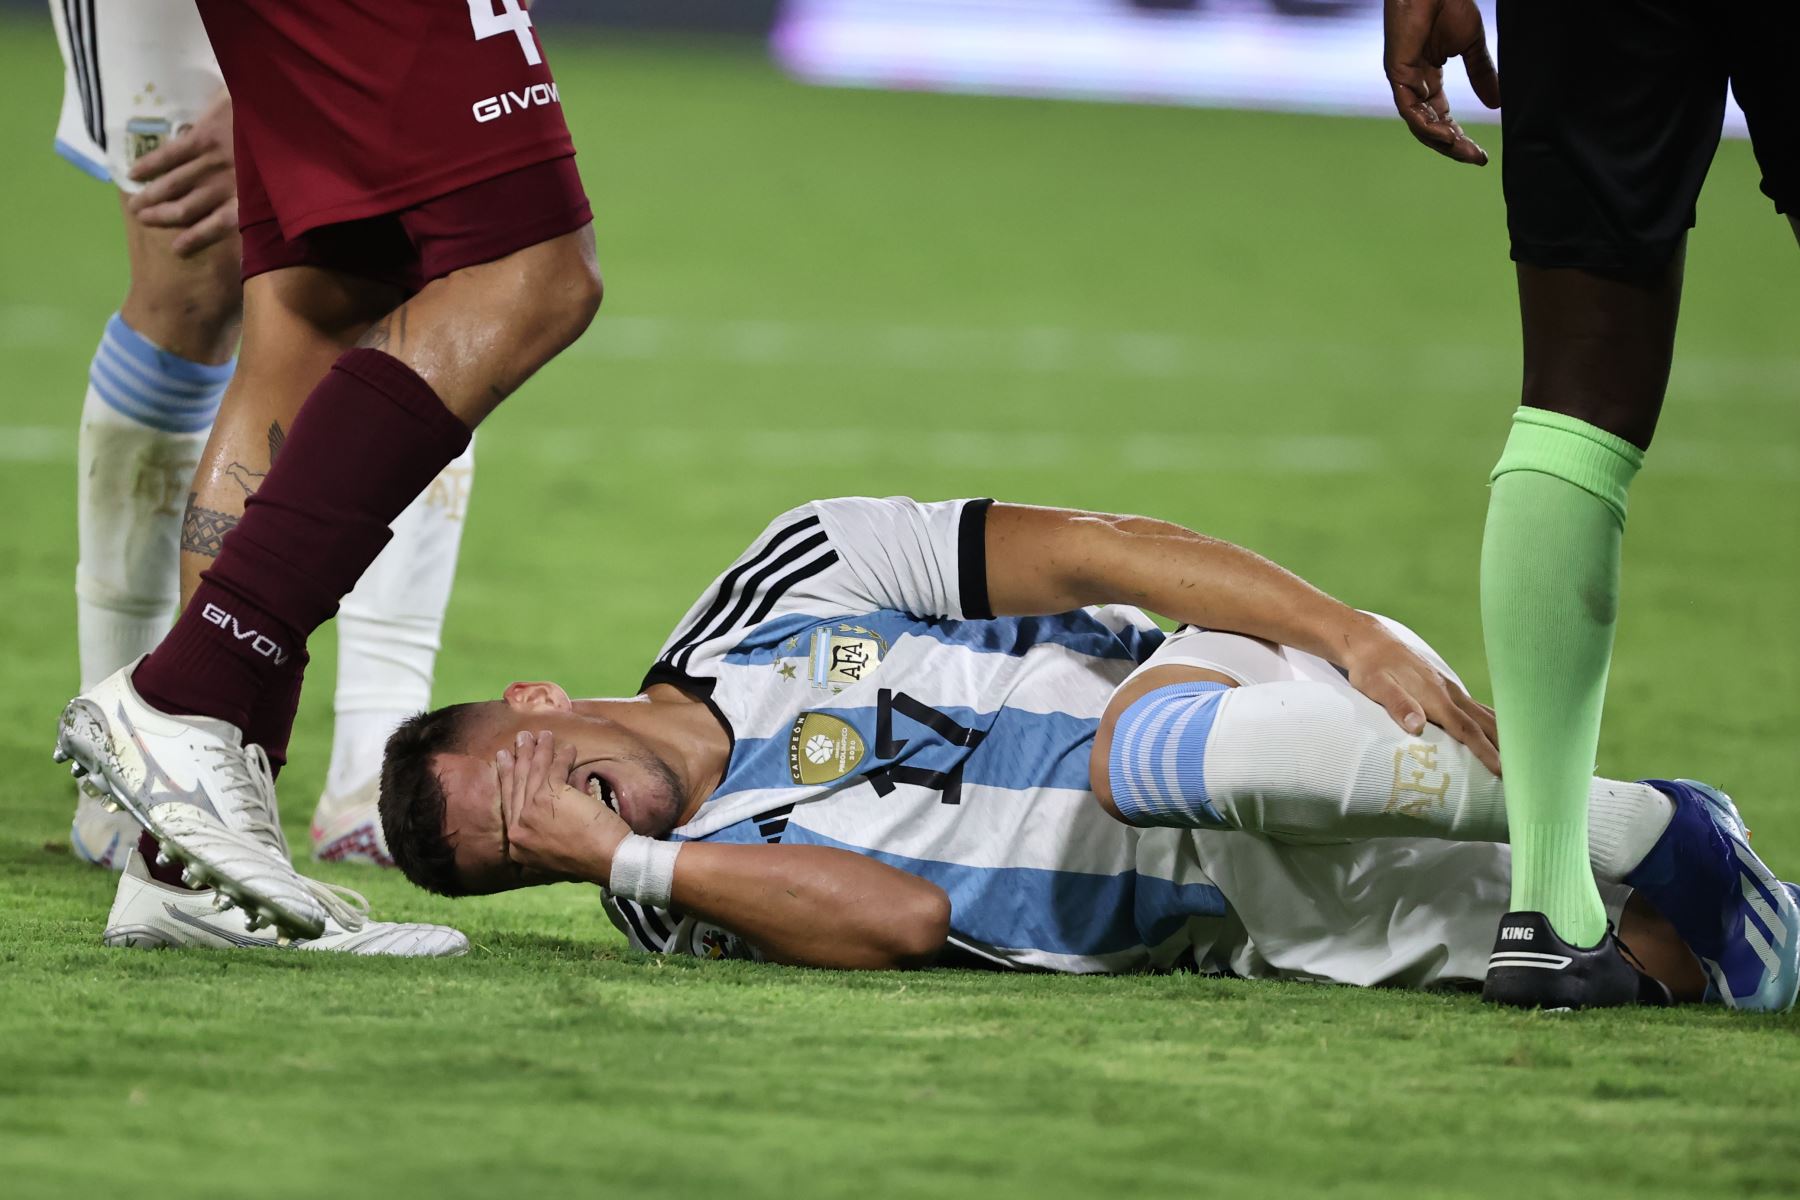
(877, 705)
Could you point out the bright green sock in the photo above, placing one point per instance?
(1549, 598)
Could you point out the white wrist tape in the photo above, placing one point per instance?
(643, 869)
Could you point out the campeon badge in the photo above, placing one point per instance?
(822, 748)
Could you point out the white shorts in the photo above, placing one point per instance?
(135, 74)
(1397, 912)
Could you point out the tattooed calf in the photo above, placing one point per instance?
(203, 530)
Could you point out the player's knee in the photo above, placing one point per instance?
(191, 307)
(563, 288)
(537, 300)
(577, 289)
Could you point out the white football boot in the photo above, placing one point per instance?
(150, 915)
(99, 836)
(347, 828)
(207, 799)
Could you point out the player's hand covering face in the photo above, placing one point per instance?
(599, 765)
(549, 827)
(1420, 36)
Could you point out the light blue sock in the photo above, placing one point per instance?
(144, 423)
(1158, 762)
(145, 383)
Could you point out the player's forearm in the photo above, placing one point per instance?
(1052, 560)
(814, 906)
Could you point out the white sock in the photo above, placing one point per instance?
(1308, 760)
(1624, 822)
(390, 627)
(143, 425)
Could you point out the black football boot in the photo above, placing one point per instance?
(1533, 968)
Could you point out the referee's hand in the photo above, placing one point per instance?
(1419, 37)
(190, 182)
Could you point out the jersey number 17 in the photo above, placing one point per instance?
(884, 780)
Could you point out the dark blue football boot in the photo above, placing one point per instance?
(1741, 922)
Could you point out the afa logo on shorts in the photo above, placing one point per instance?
(823, 749)
(144, 134)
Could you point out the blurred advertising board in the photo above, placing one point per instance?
(1302, 55)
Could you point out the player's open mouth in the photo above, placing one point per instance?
(602, 791)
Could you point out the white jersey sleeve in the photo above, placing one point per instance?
(910, 557)
(831, 557)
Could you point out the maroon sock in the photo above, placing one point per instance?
(272, 720)
(370, 437)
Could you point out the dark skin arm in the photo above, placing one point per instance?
(1050, 560)
(1419, 37)
(807, 906)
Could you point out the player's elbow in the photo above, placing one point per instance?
(920, 924)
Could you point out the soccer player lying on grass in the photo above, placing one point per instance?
(893, 733)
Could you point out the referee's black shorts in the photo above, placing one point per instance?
(1613, 110)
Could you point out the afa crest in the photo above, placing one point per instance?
(844, 655)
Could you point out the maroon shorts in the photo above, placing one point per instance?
(474, 224)
(348, 110)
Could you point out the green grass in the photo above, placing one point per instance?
(1295, 332)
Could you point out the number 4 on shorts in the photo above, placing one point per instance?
(508, 18)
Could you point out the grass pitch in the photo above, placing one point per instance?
(1298, 333)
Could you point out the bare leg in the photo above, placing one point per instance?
(1599, 349)
(477, 334)
(1660, 951)
(1597, 355)
(296, 322)
(373, 431)
(474, 336)
(188, 306)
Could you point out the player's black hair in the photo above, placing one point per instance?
(412, 797)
